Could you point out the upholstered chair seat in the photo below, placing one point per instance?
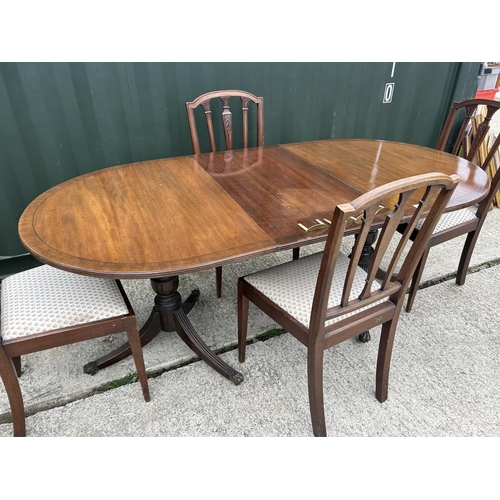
(59, 299)
(452, 219)
(46, 307)
(447, 221)
(291, 286)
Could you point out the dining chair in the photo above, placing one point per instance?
(326, 298)
(227, 126)
(468, 220)
(45, 307)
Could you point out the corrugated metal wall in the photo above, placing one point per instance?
(59, 120)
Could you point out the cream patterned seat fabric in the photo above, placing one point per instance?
(451, 219)
(446, 221)
(45, 298)
(291, 285)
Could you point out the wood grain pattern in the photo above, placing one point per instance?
(155, 218)
(173, 216)
(277, 190)
(370, 164)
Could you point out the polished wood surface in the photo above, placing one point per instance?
(142, 220)
(367, 164)
(277, 190)
(172, 216)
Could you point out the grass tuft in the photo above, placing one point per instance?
(130, 378)
(274, 332)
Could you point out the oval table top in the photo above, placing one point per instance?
(172, 216)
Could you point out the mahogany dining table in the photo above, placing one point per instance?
(163, 218)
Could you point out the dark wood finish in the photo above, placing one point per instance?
(167, 217)
(183, 218)
(364, 263)
(318, 337)
(12, 349)
(472, 227)
(16, 361)
(148, 332)
(227, 126)
(145, 220)
(277, 190)
(367, 164)
(173, 213)
(470, 107)
(227, 117)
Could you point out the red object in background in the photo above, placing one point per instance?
(486, 94)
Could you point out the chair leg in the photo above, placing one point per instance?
(11, 383)
(242, 322)
(295, 253)
(135, 346)
(463, 266)
(17, 365)
(415, 282)
(315, 387)
(218, 281)
(384, 359)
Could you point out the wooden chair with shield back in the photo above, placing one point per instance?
(244, 100)
(46, 307)
(326, 298)
(470, 133)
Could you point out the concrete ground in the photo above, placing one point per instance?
(442, 383)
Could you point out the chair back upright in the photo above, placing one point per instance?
(437, 189)
(227, 118)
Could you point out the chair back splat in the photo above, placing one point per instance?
(368, 206)
(326, 298)
(225, 96)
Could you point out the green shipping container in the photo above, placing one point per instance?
(60, 120)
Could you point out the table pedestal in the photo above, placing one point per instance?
(170, 314)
